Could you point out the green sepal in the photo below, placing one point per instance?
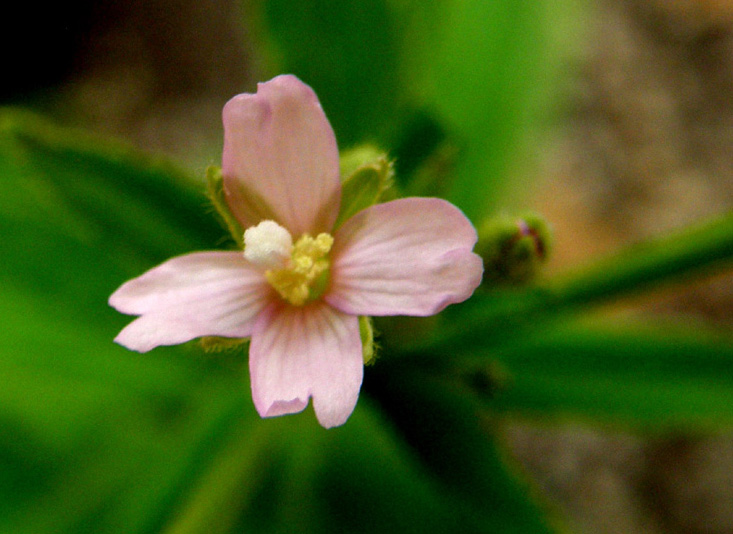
(215, 192)
(366, 185)
(222, 344)
(353, 158)
(513, 248)
(366, 331)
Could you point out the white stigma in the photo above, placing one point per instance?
(268, 245)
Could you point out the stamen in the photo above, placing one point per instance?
(305, 277)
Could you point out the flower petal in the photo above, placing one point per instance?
(405, 257)
(199, 294)
(280, 158)
(306, 351)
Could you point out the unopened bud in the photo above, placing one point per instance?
(513, 248)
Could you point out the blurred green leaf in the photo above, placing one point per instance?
(80, 216)
(92, 437)
(455, 437)
(479, 66)
(661, 379)
(348, 53)
(358, 478)
(289, 474)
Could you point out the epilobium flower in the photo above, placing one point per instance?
(299, 287)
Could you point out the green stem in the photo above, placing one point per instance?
(673, 258)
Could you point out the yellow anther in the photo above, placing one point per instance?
(303, 263)
(303, 278)
(324, 242)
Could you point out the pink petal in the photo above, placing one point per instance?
(405, 257)
(301, 352)
(280, 158)
(200, 294)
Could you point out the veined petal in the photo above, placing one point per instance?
(299, 352)
(199, 294)
(405, 257)
(280, 158)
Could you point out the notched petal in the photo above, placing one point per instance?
(302, 352)
(405, 257)
(196, 295)
(280, 158)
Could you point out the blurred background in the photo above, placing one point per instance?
(630, 135)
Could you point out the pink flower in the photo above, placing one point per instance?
(299, 288)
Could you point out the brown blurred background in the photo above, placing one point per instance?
(646, 147)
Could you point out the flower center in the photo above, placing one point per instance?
(298, 272)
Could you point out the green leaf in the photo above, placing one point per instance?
(351, 59)
(484, 99)
(456, 438)
(482, 69)
(79, 216)
(358, 478)
(57, 172)
(280, 474)
(663, 379)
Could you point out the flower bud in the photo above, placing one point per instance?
(513, 248)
